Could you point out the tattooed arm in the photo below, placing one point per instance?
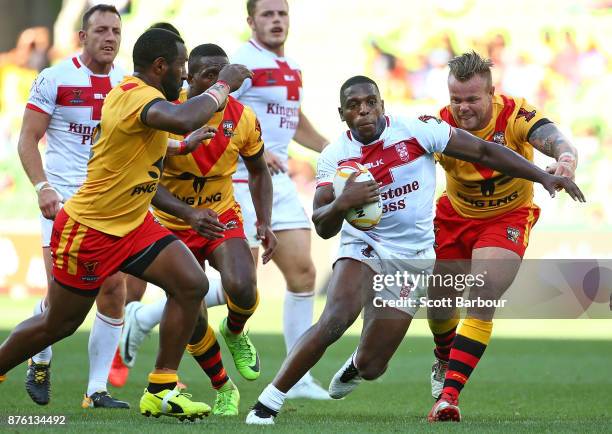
(550, 141)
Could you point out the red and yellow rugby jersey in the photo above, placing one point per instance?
(476, 191)
(203, 179)
(125, 163)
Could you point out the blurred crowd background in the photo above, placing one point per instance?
(555, 53)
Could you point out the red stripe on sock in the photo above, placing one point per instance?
(464, 357)
(220, 379)
(209, 363)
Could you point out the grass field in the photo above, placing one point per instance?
(520, 386)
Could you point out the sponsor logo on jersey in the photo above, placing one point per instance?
(500, 138)
(76, 97)
(522, 113)
(513, 234)
(228, 128)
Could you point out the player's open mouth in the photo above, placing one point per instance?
(276, 30)
(108, 49)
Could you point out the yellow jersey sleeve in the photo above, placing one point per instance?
(527, 118)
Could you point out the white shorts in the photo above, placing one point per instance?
(46, 225)
(398, 294)
(287, 210)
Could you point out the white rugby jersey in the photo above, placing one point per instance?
(274, 93)
(402, 162)
(73, 96)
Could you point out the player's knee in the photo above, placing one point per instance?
(369, 368)
(60, 331)
(192, 286)
(302, 278)
(242, 290)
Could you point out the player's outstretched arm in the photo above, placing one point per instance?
(550, 141)
(328, 213)
(465, 146)
(306, 135)
(260, 186)
(203, 220)
(196, 111)
(33, 129)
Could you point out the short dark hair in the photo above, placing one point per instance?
(97, 8)
(204, 50)
(467, 65)
(357, 79)
(252, 5)
(165, 26)
(155, 43)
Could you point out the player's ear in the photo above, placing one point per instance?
(382, 103)
(341, 113)
(492, 91)
(82, 36)
(160, 66)
(251, 23)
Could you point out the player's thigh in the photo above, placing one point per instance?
(66, 308)
(177, 272)
(348, 290)
(234, 261)
(497, 268)
(292, 255)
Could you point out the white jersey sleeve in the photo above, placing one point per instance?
(431, 132)
(43, 93)
(326, 166)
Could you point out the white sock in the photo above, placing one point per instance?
(149, 315)
(215, 295)
(272, 398)
(45, 355)
(297, 316)
(103, 341)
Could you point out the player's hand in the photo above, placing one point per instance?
(562, 168)
(206, 223)
(358, 193)
(195, 139)
(268, 240)
(49, 202)
(275, 164)
(234, 75)
(554, 183)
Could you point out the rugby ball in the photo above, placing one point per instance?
(366, 217)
